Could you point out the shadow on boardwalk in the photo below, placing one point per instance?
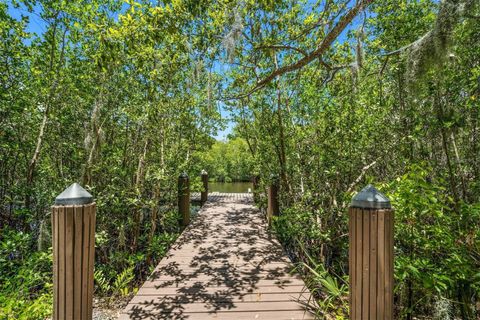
(224, 266)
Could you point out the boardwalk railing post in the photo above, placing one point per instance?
(73, 238)
(371, 256)
(256, 185)
(184, 198)
(273, 208)
(204, 193)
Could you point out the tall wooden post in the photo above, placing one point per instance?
(256, 185)
(184, 198)
(273, 208)
(204, 193)
(371, 256)
(73, 237)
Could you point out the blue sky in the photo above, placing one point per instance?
(35, 25)
(222, 134)
(221, 68)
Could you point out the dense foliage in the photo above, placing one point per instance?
(395, 105)
(110, 95)
(228, 161)
(329, 95)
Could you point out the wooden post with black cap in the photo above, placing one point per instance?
(184, 198)
(73, 237)
(273, 205)
(371, 256)
(204, 193)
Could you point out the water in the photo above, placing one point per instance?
(229, 187)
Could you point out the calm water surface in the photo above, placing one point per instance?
(229, 187)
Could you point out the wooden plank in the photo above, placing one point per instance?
(91, 259)
(243, 259)
(85, 249)
(381, 266)
(366, 265)
(219, 297)
(61, 262)
(392, 267)
(249, 315)
(226, 255)
(287, 289)
(69, 262)
(189, 263)
(388, 265)
(221, 270)
(174, 305)
(191, 249)
(373, 265)
(351, 259)
(213, 274)
(78, 253)
(358, 263)
(55, 261)
(212, 282)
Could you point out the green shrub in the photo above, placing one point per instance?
(26, 278)
(435, 252)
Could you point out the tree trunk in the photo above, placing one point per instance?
(51, 94)
(138, 189)
(437, 104)
(153, 221)
(461, 172)
(36, 154)
(281, 136)
(93, 138)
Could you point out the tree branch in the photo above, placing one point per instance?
(333, 71)
(282, 47)
(397, 51)
(322, 47)
(364, 170)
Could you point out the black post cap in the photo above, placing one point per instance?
(74, 195)
(370, 198)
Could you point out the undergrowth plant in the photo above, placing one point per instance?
(330, 290)
(117, 286)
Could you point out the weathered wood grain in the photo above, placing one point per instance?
(73, 261)
(371, 263)
(225, 265)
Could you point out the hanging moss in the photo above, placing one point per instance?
(44, 238)
(230, 39)
(430, 50)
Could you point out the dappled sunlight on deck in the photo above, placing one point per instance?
(225, 265)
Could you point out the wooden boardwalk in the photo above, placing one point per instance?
(225, 265)
(219, 196)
